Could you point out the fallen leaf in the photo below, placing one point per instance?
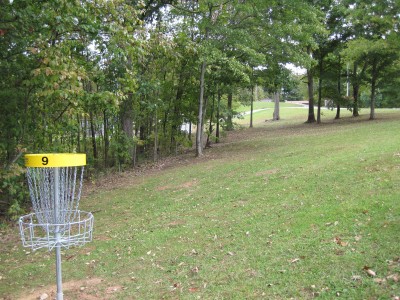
(394, 277)
(356, 278)
(339, 241)
(193, 289)
(379, 280)
(369, 271)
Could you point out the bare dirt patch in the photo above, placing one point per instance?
(87, 289)
(267, 172)
(184, 185)
(134, 176)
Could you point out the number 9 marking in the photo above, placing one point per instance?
(45, 160)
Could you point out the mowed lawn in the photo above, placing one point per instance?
(284, 210)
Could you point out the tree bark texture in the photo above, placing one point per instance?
(199, 132)
(276, 115)
(310, 86)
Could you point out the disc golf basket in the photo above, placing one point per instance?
(55, 184)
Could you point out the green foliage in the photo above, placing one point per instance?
(13, 191)
(120, 149)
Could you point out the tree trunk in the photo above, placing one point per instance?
(339, 90)
(310, 85)
(320, 89)
(155, 150)
(210, 125)
(337, 117)
(218, 116)
(93, 133)
(356, 87)
(127, 124)
(190, 131)
(373, 89)
(199, 132)
(251, 107)
(229, 124)
(176, 119)
(276, 116)
(85, 129)
(106, 140)
(78, 120)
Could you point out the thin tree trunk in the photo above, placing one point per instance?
(106, 141)
(339, 89)
(79, 134)
(155, 150)
(373, 90)
(320, 89)
(93, 133)
(199, 132)
(85, 134)
(251, 107)
(355, 91)
(310, 85)
(218, 116)
(210, 125)
(229, 123)
(127, 123)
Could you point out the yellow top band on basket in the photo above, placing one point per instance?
(49, 160)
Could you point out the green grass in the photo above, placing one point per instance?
(283, 210)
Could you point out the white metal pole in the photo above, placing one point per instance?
(57, 233)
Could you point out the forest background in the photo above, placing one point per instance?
(118, 79)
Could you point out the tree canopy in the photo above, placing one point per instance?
(126, 81)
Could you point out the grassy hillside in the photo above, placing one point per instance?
(283, 210)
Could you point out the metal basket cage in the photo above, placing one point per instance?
(76, 232)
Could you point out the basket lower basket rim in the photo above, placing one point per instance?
(75, 233)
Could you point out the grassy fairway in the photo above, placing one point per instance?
(283, 210)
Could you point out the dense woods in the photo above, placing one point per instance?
(124, 81)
